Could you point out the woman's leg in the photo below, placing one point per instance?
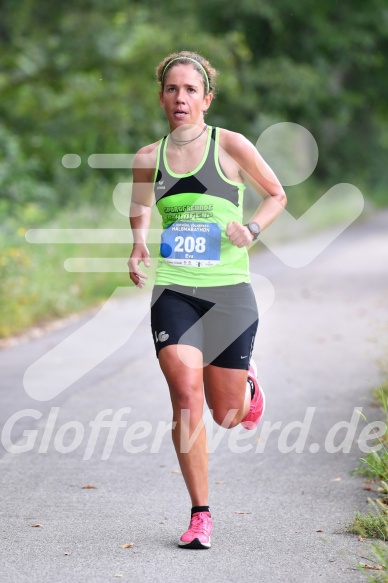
(227, 394)
(183, 371)
(230, 328)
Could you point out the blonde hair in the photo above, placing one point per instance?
(201, 65)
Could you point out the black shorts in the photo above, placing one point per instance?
(220, 321)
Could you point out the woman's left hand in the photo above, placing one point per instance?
(238, 234)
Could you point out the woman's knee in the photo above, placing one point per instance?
(187, 398)
(185, 383)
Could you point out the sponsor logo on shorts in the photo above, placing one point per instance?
(163, 336)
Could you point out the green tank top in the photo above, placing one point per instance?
(195, 210)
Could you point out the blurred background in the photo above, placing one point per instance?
(79, 77)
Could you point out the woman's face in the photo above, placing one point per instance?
(183, 97)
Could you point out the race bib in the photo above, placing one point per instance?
(191, 244)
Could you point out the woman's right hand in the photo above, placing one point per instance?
(139, 253)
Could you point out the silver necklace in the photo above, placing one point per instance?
(185, 142)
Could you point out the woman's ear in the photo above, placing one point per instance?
(207, 101)
(161, 100)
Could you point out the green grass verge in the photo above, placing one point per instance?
(371, 524)
(374, 524)
(35, 287)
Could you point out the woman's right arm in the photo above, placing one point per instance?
(140, 212)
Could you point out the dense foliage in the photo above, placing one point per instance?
(78, 76)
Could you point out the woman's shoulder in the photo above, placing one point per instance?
(232, 139)
(234, 143)
(146, 157)
(151, 150)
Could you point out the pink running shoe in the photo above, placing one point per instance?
(198, 535)
(256, 410)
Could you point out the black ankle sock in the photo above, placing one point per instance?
(199, 509)
(252, 385)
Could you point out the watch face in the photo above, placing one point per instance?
(254, 228)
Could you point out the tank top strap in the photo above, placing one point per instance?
(212, 148)
(209, 162)
(160, 166)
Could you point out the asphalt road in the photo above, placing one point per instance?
(281, 497)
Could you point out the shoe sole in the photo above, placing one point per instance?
(194, 544)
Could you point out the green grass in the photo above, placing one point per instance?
(380, 394)
(374, 465)
(371, 524)
(34, 285)
(380, 553)
(374, 524)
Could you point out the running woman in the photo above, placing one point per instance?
(203, 311)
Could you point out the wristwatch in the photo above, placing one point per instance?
(254, 228)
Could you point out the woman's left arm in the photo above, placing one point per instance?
(256, 171)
